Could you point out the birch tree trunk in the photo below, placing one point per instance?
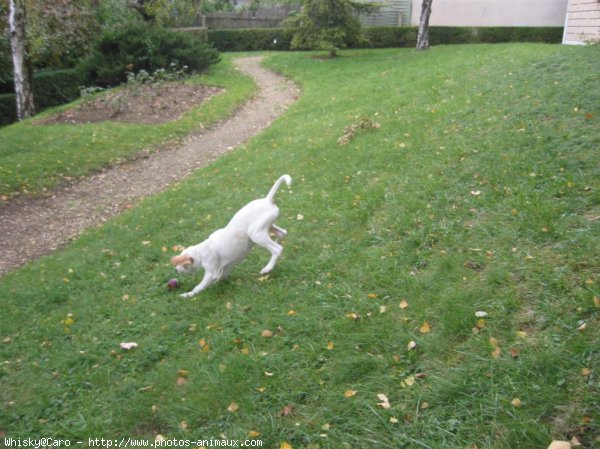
(21, 66)
(423, 36)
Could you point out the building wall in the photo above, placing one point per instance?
(494, 12)
(582, 24)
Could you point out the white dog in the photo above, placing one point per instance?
(228, 246)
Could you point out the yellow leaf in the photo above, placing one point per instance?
(245, 351)
(260, 389)
(425, 328)
(480, 323)
(183, 373)
(268, 374)
(266, 333)
(585, 372)
(291, 312)
(596, 300)
(253, 434)
(372, 295)
(493, 342)
(516, 402)
(330, 345)
(202, 342)
(233, 407)
(286, 445)
(183, 425)
(496, 352)
(409, 381)
(521, 334)
(394, 420)
(411, 345)
(403, 304)
(350, 393)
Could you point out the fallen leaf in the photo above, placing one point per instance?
(253, 434)
(155, 408)
(409, 381)
(372, 295)
(521, 334)
(291, 312)
(299, 217)
(481, 314)
(582, 327)
(268, 374)
(559, 445)
(245, 351)
(425, 328)
(514, 352)
(496, 352)
(585, 372)
(516, 402)
(493, 342)
(7, 340)
(350, 393)
(287, 410)
(183, 425)
(260, 389)
(385, 402)
(233, 407)
(596, 300)
(475, 192)
(411, 345)
(394, 420)
(159, 438)
(181, 381)
(403, 304)
(128, 346)
(263, 278)
(285, 445)
(480, 323)
(266, 333)
(330, 345)
(183, 373)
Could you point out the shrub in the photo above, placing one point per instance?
(143, 47)
(50, 88)
(8, 109)
(386, 37)
(250, 39)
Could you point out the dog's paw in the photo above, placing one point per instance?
(186, 295)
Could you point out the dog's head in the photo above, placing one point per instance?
(184, 264)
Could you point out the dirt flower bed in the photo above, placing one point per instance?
(147, 104)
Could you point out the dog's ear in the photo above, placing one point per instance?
(182, 259)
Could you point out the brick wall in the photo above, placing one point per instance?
(582, 24)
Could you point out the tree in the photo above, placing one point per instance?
(423, 36)
(21, 65)
(327, 25)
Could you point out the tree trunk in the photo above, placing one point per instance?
(423, 36)
(21, 66)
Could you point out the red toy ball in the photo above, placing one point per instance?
(173, 284)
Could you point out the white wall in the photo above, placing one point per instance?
(493, 12)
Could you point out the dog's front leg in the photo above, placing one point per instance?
(208, 279)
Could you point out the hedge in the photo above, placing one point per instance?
(386, 37)
(50, 88)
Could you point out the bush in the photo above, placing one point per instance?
(143, 47)
(8, 109)
(250, 39)
(50, 88)
(386, 37)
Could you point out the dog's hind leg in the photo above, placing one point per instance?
(263, 239)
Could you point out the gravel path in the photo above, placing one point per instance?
(34, 227)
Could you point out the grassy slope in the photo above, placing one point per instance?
(479, 192)
(35, 157)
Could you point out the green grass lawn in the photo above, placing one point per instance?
(34, 157)
(447, 259)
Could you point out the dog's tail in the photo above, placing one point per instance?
(273, 191)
